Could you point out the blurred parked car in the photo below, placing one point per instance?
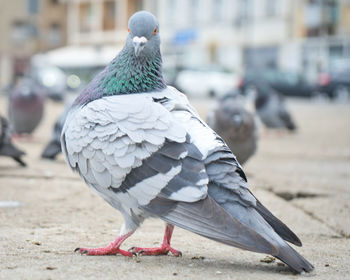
(287, 83)
(52, 80)
(205, 82)
(69, 68)
(336, 84)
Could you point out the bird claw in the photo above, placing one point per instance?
(134, 252)
(155, 251)
(81, 251)
(104, 251)
(131, 249)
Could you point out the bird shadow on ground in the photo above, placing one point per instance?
(222, 266)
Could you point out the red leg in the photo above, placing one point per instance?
(163, 249)
(111, 249)
(27, 137)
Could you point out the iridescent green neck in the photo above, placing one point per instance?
(126, 74)
(130, 74)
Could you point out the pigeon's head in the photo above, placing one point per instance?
(143, 33)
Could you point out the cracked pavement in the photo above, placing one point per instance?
(303, 178)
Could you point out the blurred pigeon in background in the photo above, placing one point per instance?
(271, 108)
(53, 148)
(238, 127)
(144, 149)
(26, 106)
(6, 147)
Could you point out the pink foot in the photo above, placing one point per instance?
(23, 137)
(111, 249)
(162, 250)
(103, 251)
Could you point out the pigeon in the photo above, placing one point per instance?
(236, 125)
(6, 147)
(142, 147)
(271, 108)
(53, 148)
(26, 106)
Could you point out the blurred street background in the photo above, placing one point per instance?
(300, 50)
(297, 45)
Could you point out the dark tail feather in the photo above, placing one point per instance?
(20, 161)
(51, 150)
(11, 151)
(280, 228)
(288, 121)
(294, 260)
(291, 126)
(205, 217)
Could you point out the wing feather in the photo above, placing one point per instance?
(107, 140)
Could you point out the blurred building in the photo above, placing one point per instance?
(101, 22)
(323, 35)
(28, 27)
(306, 35)
(233, 34)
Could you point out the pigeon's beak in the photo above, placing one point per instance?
(139, 43)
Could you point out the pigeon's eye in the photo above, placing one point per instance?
(128, 29)
(155, 31)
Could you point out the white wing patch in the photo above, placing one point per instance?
(190, 194)
(149, 188)
(109, 137)
(203, 137)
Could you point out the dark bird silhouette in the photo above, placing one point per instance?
(6, 146)
(26, 106)
(236, 125)
(271, 108)
(53, 148)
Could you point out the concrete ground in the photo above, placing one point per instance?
(304, 178)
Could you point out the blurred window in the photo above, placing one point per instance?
(331, 16)
(194, 12)
(321, 17)
(313, 17)
(271, 8)
(244, 11)
(55, 35)
(217, 10)
(85, 17)
(22, 31)
(33, 6)
(109, 15)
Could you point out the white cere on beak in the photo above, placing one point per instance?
(137, 39)
(139, 43)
